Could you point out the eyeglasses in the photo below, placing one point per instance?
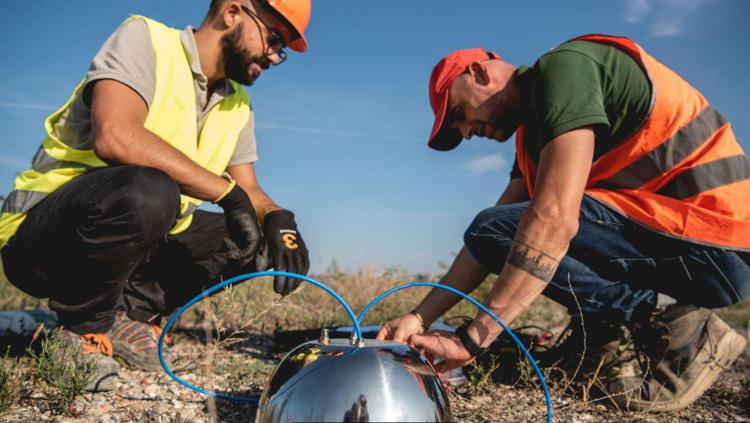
(274, 40)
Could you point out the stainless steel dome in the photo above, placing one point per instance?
(333, 381)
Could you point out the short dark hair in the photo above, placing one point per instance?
(215, 7)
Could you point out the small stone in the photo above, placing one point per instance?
(482, 399)
(187, 415)
(163, 409)
(150, 391)
(102, 410)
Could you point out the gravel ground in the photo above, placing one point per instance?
(244, 366)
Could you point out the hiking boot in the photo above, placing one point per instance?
(583, 348)
(681, 352)
(94, 346)
(136, 343)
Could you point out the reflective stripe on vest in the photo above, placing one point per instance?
(19, 201)
(682, 173)
(673, 151)
(171, 116)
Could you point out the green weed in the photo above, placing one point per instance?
(480, 375)
(10, 383)
(65, 370)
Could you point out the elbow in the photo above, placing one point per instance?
(107, 145)
(562, 223)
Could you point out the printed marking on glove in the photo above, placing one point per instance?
(290, 240)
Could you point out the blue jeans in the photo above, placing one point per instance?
(616, 267)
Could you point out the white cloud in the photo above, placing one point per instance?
(26, 106)
(666, 29)
(635, 10)
(663, 18)
(485, 164)
(14, 163)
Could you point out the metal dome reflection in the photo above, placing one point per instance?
(337, 382)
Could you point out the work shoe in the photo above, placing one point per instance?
(583, 349)
(681, 352)
(96, 347)
(136, 343)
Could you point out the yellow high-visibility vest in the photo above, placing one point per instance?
(171, 116)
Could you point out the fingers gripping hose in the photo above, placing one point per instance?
(356, 321)
(480, 306)
(232, 281)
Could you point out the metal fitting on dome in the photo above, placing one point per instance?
(324, 338)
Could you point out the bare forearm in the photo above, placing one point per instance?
(515, 192)
(118, 115)
(544, 232)
(139, 146)
(261, 201)
(465, 275)
(534, 257)
(245, 176)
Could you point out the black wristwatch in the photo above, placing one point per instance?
(472, 347)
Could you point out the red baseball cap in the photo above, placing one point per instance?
(444, 138)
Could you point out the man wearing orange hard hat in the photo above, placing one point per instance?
(105, 222)
(627, 183)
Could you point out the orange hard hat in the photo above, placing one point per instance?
(297, 15)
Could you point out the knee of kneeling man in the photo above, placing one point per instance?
(489, 223)
(488, 237)
(152, 192)
(479, 222)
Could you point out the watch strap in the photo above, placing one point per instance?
(463, 335)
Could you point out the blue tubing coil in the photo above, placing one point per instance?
(356, 321)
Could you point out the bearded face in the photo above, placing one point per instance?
(504, 118)
(238, 60)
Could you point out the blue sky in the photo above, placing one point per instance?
(342, 129)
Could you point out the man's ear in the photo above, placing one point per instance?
(231, 14)
(479, 73)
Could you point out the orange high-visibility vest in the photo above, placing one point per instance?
(682, 173)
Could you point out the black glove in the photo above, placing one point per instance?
(242, 226)
(286, 249)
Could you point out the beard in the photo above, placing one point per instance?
(505, 119)
(237, 60)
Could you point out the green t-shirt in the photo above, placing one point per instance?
(582, 83)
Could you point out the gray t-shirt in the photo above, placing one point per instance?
(128, 57)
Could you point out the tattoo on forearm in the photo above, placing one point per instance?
(532, 262)
(538, 251)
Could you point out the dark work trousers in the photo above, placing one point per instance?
(99, 244)
(616, 267)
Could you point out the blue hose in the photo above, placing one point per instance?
(356, 321)
(238, 279)
(479, 306)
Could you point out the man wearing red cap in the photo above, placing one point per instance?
(627, 183)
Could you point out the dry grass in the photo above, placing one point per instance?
(253, 307)
(243, 316)
(10, 382)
